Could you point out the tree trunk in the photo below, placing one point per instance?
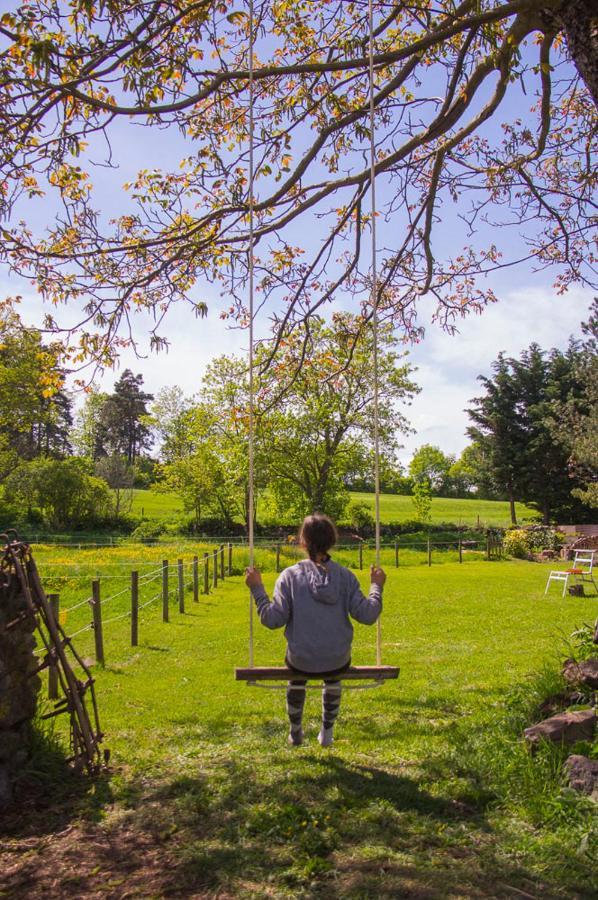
(513, 511)
(578, 19)
(318, 495)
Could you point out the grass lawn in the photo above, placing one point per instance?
(205, 798)
(393, 508)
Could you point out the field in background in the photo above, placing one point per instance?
(156, 504)
(204, 777)
(393, 508)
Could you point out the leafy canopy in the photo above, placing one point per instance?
(77, 79)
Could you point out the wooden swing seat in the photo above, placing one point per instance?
(281, 673)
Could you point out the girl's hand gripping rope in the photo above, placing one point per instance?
(377, 576)
(253, 577)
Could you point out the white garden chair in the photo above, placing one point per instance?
(582, 571)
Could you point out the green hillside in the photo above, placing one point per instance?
(393, 508)
(396, 508)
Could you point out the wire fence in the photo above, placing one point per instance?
(110, 601)
(104, 607)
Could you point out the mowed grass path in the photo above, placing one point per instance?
(204, 778)
(393, 508)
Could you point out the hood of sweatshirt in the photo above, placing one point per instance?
(320, 583)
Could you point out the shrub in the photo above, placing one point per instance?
(542, 537)
(63, 489)
(516, 543)
(582, 644)
(360, 517)
(148, 532)
(522, 542)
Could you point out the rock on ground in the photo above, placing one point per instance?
(585, 672)
(582, 775)
(565, 728)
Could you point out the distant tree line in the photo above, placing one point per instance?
(314, 425)
(534, 433)
(535, 427)
(59, 469)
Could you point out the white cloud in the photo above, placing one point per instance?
(448, 366)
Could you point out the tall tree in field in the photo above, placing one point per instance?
(574, 423)
(223, 417)
(322, 425)
(544, 380)
(88, 434)
(489, 101)
(123, 418)
(35, 412)
(472, 472)
(430, 464)
(170, 423)
(498, 430)
(203, 443)
(200, 480)
(120, 478)
(515, 427)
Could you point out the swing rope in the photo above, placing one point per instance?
(251, 474)
(374, 303)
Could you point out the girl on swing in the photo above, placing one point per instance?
(316, 599)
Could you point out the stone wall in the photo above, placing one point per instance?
(18, 688)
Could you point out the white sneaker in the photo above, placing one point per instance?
(326, 736)
(296, 737)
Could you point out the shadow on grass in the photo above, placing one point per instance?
(49, 795)
(316, 825)
(281, 823)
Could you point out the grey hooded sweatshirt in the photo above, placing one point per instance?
(315, 603)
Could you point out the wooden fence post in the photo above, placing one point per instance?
(181, 585)
(396, 554)
(96, 608)
(134, 609)
(215, 568)
(278, 557)
(195, 580)
(230, 558)
(221, 562)
(360, 555)
(487, 548)
(206, 573)
(429, 552)
(460, 550)
(54, 601)
(165, 568)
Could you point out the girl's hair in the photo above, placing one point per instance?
(317, 534)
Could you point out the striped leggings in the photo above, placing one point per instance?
(331, 701)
